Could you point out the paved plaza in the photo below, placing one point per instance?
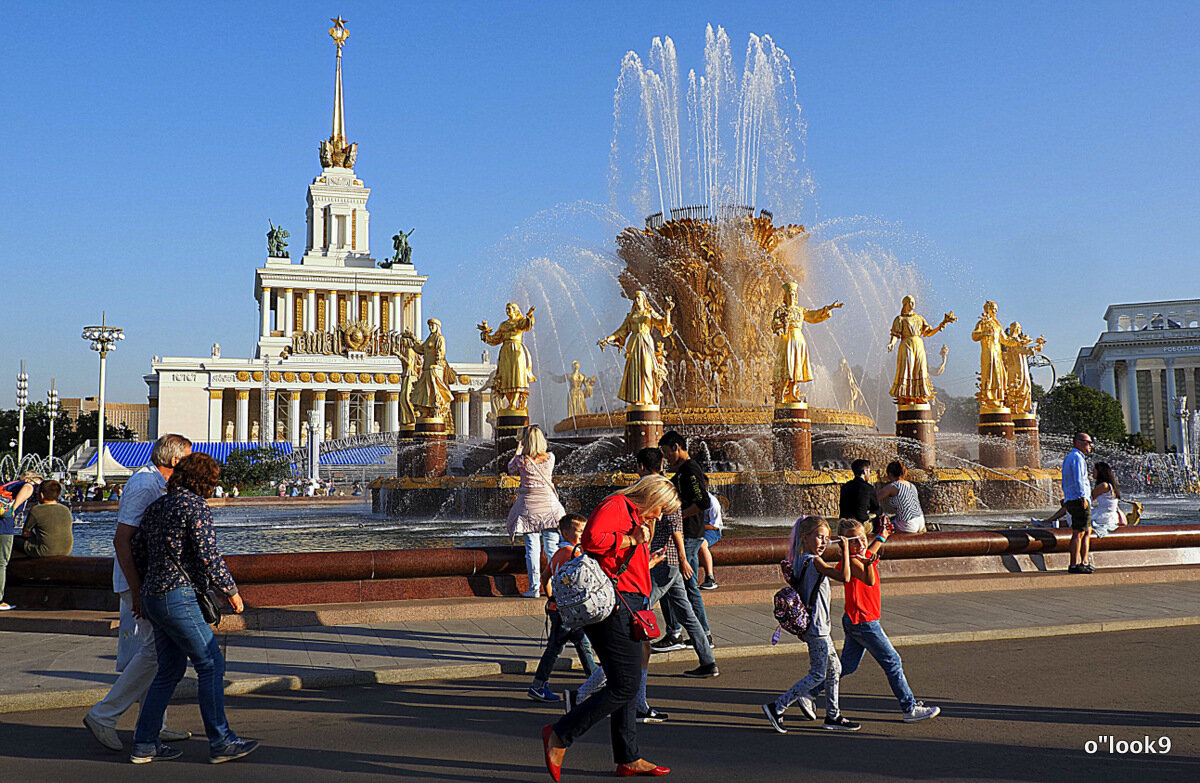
(1012, 710)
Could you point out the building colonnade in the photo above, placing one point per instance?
(285, 311)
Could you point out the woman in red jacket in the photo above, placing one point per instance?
(620, 523)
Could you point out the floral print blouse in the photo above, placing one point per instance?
(180, 522)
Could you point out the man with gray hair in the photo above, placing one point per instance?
(137, 659)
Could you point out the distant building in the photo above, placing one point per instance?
(1148, 356)
(134, 415)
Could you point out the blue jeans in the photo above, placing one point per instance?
(691, 550)
(869, 637)
(667, 586)
(180, 633)
(534, 543)
(555, 642)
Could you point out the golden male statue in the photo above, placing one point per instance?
(791, 349)
(912, 385)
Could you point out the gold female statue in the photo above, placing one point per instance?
(791, 349)
(514, 370)
(993, 380)
(639, 385)
(579, 389)
(912, 385)
(1019, 391)
(431, 396)
(411, 360)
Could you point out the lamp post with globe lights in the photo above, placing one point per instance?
(103, 339)
(22, 401)
(52, 409)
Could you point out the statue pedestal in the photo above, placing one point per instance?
(510, 424)
(1027, 441)
(405, 452)
(792, 432)
(429, 457)
(643, 427)
(996, 445)
(914, 422)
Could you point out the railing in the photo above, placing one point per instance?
(707, 213)
(299, 457)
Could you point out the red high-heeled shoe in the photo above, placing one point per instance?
(555, 770)
(627, 771)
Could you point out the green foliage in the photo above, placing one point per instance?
(962, 414)
(254, 467)
(1071, 407)
(66, 435)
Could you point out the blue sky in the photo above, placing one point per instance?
(1050, 150)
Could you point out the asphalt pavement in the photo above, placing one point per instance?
(1021, 710)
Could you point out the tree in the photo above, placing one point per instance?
(1071, 407)
(37, 430)
(255, 467)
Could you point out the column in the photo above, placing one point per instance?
(216, 398)
(1131, 392)
(1108, 383)
(394, 314)
(342, 426)
(310, 312)
(418, 322)
(368, 422)
(461, 411)
(1156, 386)
(289, 312)
(280, 309)
(241, 426)
(1189, 386)
(318, 405)
(352, 307)
(330, 311)
(1173, 437)
(294, 423)
(391, 413)
(376, 313)
(264, 310)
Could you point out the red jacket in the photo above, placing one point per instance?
(612, 520)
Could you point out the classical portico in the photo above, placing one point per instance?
(1148, 357)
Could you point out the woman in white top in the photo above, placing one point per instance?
(1106, 517)
(909, 517)
(536, 513)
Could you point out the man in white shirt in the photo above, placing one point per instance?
(137, 659)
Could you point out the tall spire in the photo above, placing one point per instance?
(337, 152)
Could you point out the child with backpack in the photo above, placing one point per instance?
(570, 528)
(861, 620)
(807, 574)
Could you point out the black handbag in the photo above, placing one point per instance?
(208, 607)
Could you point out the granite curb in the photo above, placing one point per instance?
(86, 697)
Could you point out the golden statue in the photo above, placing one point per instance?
(912, 385)
(579, 389)
(1019, 391)
(431, 396)
(642, 380)
(853, 392)
(514, 370)
(993, 380)
(411, 359)
(791, 349)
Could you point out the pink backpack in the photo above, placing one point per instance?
(792, 612)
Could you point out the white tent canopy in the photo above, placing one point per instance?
(112, 468)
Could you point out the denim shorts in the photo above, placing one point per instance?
(712, 537)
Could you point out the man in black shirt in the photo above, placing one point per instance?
(692, 485)
(859, 499)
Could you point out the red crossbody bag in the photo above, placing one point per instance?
(644, 625)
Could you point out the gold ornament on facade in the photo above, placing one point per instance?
(380, 377)
(320, 377)
(336, 377)
(274, 377)
(305, 377)
(287, 376)
(257, 375)
(244, 376)
(393, 377)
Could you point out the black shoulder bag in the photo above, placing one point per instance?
(208, 607)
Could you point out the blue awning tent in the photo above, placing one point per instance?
(135, 454)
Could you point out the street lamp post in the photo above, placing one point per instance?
(22, 401)
(52, 408)
(103, 339)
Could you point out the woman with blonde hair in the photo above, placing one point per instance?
(536, 513)
(616, 535)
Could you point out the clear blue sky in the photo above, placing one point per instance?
(1051, 149)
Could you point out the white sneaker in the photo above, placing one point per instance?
(920, 712)
(808, 708)
(105, 735)
(6, 607)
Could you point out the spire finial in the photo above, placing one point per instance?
(337, 152)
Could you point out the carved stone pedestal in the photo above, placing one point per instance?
(792, 433)
(510, 424)
(996, 438)
(1027, 440)
(429, 457)
(405, 438)
(643, 427)
(914, 422)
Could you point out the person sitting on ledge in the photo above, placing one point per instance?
(909, 517)
(47, 529)
(859, 500)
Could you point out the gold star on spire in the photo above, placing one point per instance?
(338, 32)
